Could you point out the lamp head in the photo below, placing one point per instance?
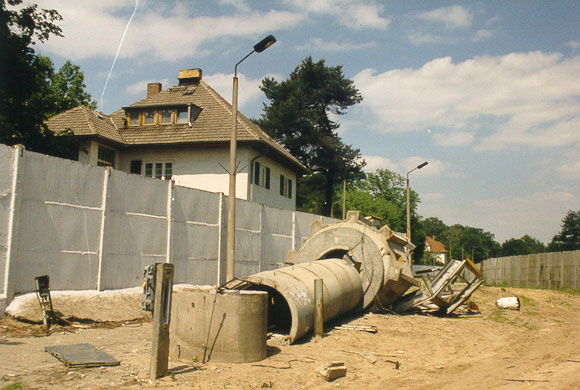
(422, 165)
(264, 44)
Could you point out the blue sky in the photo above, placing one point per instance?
(487, 91)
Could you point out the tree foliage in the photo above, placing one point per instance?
(383, 194)
(30, 89)
(299, 117)
(568, 239)
(526, 245)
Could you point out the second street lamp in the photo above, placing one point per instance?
(408, 200)
(231, 246)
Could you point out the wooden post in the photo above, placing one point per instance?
(318, 320)
(161, 319)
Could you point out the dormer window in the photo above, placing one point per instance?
(149, 117)
(162, 116)
(166, 117)
(133, 118)
(181, 115)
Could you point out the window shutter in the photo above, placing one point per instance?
(257, 173)
(136, 167)
(290, 188)
(281, 185)
(267, 178)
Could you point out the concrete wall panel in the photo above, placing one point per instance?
(552, 270)
(47, 178)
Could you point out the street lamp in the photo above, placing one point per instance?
(409, 202)
(231, 251)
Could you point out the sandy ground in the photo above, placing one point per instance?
(537, 347)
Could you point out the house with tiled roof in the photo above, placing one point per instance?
(183, 133)
(437, 249)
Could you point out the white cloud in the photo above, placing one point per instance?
(538, 214)
(482, 35)
(454, 138)
(434, 168)
(421, 38)
(520, 99)
(248, 89)
(452, 17)
(379, 162)
(318, 45)
(139, 89)
(353, 14)
(92, 30)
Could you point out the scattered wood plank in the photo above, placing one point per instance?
(361, 328)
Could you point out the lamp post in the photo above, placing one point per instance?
(231, 248)
(409, 201)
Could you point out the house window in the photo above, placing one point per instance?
(181, 115)
(261, 175)
(149, 117)
(285, 187)
(165, 116)
(159, 170)
(133, 118)
(136, 167)
(105, 157)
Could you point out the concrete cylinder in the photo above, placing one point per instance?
(291, 293)
(227, 327)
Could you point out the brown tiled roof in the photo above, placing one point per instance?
(84, 121)
(436, 246)
(213, 125)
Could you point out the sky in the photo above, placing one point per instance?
(488, 92)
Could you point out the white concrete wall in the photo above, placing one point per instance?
(92, 228)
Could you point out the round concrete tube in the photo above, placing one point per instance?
(342, 291)
(374, 250)
(224, 327)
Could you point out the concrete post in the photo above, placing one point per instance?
(318, 302)
(220, 233)
(13, 223)
(170, 192)
(106, 185)
(161, 320)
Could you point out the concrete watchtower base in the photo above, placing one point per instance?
(227, 327)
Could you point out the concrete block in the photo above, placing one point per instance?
(331, 371)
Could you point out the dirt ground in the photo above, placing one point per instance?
(537, 347)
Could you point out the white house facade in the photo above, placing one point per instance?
(183, 133)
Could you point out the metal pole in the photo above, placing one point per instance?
(344, 199)
(231, 246)
(408, 211)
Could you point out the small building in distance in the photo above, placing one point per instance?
(437, 249)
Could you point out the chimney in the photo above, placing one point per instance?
(190, 77)
(153, 88)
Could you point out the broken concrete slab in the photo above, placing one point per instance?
(331, 371)
(81, 355)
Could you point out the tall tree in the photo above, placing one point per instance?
(434, 227)
(526, 245)
(298, 116)
(568, 239)
(22, 73)
(30, 89)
